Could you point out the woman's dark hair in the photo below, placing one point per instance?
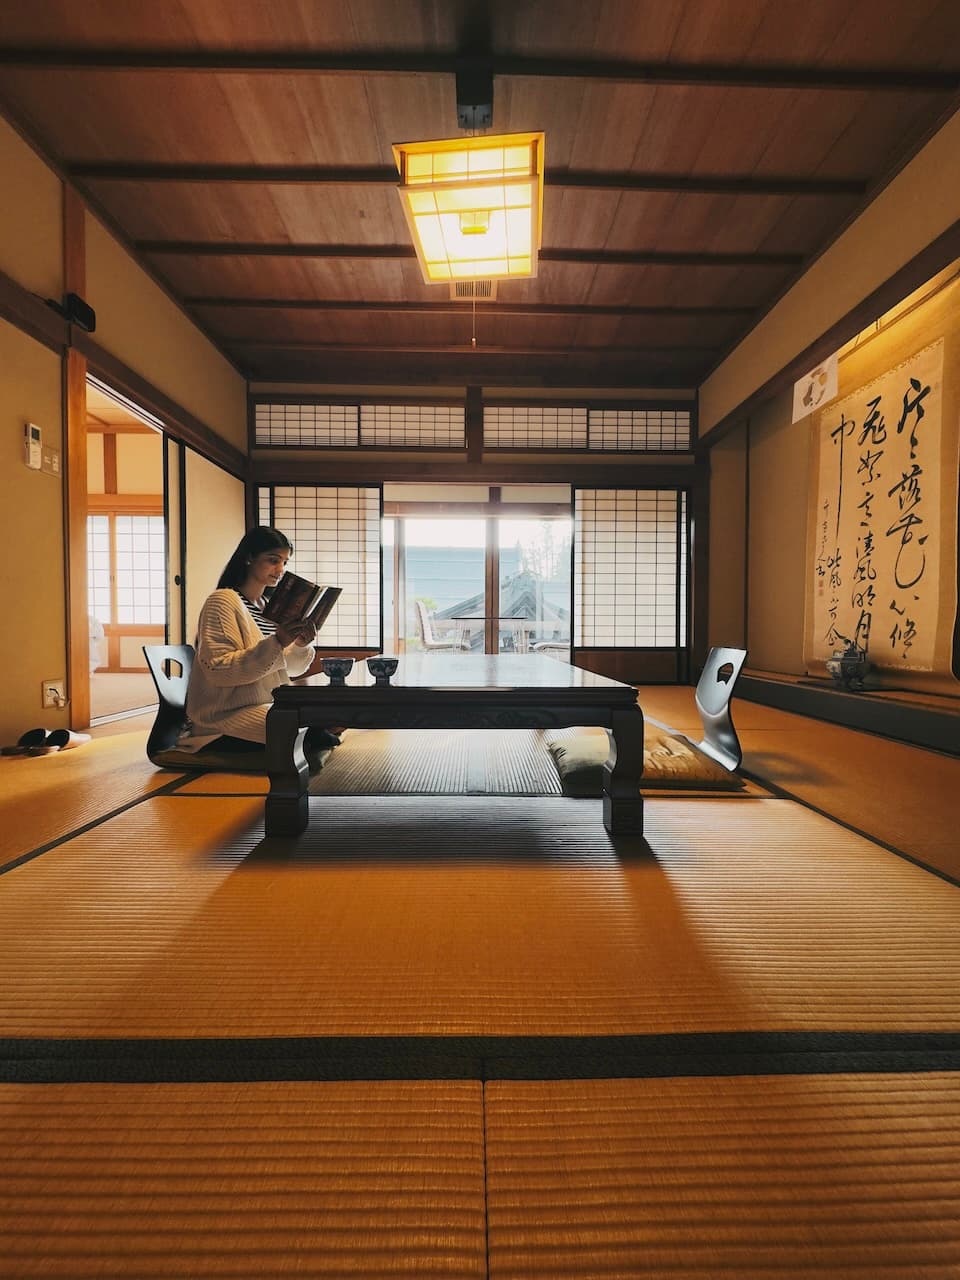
(253, 543)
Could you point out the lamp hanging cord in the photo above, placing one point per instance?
(473, 338)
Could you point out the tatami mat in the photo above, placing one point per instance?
(907, 796)
(431, 762)
(253, 1180)
(44, 797)
(409, 916)
(789, 1177)
(439, 762)
(902, 795)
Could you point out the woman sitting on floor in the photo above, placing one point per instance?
(241, 656)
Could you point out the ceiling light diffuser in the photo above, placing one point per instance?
(474, 205)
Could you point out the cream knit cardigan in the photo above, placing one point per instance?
(235, 672)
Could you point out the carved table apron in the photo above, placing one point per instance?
(457, 691)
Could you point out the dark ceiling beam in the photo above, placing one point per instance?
(451, 307)
(286, 62)
(259, 249)
(606, 352)
(588, 257)
(387, 176)
(654, 258)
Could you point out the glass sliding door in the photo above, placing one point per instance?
(442, 564)
(534, 581)
(484, 584)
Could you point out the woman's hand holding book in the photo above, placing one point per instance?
(302, 633)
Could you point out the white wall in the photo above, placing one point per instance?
(31, 218)
(143, 327)
(33, 636)
(215, 524)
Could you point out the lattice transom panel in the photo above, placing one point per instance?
(352, 426)
(534, 427)
(665, 430)
(643, 430)
(412, 426)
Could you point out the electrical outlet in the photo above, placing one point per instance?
(54, 692)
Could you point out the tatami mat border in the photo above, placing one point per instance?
(200, 1060)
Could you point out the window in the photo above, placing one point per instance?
(126, 569)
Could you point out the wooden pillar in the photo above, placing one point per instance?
(699, 566)
(473, 424)
(75, 474)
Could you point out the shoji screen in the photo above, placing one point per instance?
(630, 571)
(213, 523)
(335, 533)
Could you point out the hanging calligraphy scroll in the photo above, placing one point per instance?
(874, 578)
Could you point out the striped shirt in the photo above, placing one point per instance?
(266, 626)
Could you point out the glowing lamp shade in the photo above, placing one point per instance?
(474, 205)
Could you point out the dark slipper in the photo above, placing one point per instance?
(33, 738)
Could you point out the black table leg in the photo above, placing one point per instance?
(622, 801)
(286, 804)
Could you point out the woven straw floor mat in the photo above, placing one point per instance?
(439, 762)
(897, 793)
(785, 1178)
(511, 762)
(419, 762)
(43, 797)
(252, 1180)
(410, 915)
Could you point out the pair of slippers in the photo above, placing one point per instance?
(42, 742)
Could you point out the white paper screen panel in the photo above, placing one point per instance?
(412, 426)
(534, 427)
(351, 426)
(307, 425)
(630, 568)
(335, 533)
(572, 427)
(640, 430)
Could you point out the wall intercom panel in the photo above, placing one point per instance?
(32, 446)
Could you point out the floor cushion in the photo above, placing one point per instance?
(211, 760)
(669, 760)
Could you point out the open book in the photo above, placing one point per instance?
(295, 600)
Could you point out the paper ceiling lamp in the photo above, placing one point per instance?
(474, 205)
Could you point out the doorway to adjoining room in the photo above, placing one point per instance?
(126, 552)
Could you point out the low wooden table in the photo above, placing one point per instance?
(457, 691)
